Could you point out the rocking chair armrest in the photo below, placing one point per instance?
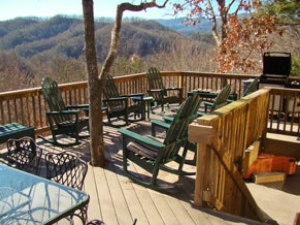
(70, 112)
(115, 99)
(160, 123)
(208, 105)
(80, 106)
(135, 95)
(141, 139)
(173, 89)
(156, 90)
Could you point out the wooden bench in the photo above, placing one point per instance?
(15, 130)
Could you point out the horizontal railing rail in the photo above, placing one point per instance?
(28, 107)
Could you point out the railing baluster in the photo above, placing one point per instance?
(16, 111)
(8, 111)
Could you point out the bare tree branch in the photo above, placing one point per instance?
(237, 9)
(115, 33)
(214, 30)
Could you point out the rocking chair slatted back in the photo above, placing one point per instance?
(155, 79)
(222, 97)
(253, 86)
(110, 91)
(177, 133)
(54, 99)
(157, 90)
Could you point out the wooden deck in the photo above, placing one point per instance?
(116, 200)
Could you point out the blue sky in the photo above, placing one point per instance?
(10, 9)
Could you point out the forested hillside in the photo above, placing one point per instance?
(31, 48)
(30, 37)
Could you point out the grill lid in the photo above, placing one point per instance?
(276, 67)
(277, 63)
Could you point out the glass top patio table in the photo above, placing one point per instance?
(29, 199)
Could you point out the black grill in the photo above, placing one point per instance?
(276, 68)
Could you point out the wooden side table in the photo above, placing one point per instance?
(147, 100)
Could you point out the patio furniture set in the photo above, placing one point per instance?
(69, 171)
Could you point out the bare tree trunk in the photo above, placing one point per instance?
(95, 90)
(95, 81)
(214, 28)
(223, 14)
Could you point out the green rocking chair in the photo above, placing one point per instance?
(158, 91)
(116, 105)
(63, 120)
(220, 100)
(153, 155)
(252, 87)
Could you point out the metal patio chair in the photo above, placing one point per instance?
(24, 154)
(68, 169)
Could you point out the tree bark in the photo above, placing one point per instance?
(95, 90)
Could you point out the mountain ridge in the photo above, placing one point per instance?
(32, 36)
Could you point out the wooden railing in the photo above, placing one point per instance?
(28, 107)
(222, 138)
(284, 111)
